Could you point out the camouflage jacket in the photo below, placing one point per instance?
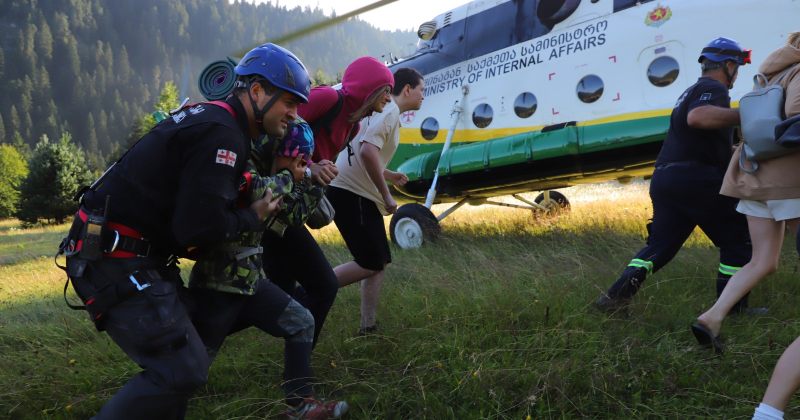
(235, 266)
(298, 204)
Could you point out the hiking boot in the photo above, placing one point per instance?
(313, 409)
(610, 305)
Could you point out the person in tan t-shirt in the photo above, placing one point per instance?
(361, 197)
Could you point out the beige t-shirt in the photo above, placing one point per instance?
(381, 130)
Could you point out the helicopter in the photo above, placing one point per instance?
(536, 95)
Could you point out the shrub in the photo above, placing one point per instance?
(13, 170)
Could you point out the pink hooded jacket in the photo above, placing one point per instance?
(362, 77)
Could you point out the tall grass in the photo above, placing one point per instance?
(491, 321)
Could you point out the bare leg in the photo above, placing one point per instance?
(767, 237)
(350, 272)
(785, 378)
(370, 294)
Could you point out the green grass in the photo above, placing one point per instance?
(492, 321)
(17, 244)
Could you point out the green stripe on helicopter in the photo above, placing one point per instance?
(419, 161)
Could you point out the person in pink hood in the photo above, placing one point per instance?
(365, 88)
(333, 116)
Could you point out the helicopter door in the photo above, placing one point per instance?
(662, 74)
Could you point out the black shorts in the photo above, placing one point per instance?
(361, 225)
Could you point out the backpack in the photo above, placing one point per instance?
(761, 111)
(327, 118)
(325, 121)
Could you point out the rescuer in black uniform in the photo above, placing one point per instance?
(688, 176)
(173, 193)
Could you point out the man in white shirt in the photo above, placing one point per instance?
(361, 197)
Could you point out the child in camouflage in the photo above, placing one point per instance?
(228, 290)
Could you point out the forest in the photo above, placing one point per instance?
(94, 68)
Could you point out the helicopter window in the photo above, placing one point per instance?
(625, 4)
(429, 128)
(525, 105)
(482, 115)
(663, 71)
(590, 88)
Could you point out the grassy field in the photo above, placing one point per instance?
(492, 321)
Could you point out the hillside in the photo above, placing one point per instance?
(92, 67)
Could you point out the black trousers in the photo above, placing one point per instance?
(218, 314)
(296, 257)
(153, 328)
(684, 197)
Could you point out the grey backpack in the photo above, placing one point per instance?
(761, 110)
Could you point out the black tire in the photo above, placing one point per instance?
(558, 202)
(412, 225)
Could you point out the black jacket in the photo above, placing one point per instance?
(178, 184)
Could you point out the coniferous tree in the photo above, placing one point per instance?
(19, 143)
(14, 123)
(56, 172)
(167, 101)
(91, 140)
(123, 67)
(44, 41)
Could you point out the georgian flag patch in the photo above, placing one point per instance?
(226, 157)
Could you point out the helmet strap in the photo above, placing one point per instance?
(728, 74)
(258, 114)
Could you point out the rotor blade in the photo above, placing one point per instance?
(324, 24)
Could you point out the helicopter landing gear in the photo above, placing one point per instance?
(412, 225)
(552, 202)
(547, 203)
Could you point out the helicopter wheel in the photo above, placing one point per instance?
(556, 204)
(412, 225)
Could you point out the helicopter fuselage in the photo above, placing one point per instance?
(562, 93)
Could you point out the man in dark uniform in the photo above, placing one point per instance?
(688, 176)
(172, 193)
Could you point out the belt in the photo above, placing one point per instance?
(119, 241)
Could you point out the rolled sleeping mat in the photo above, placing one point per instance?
(216, 80)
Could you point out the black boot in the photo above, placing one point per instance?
(620, 294)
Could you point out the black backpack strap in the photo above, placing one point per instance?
(326, 119)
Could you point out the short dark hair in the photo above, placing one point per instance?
(405, 76)
(707, 65)
(243, 84)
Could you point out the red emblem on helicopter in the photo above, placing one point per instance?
(658, 16)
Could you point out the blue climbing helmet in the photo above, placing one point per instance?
(279, 66)
(725, 49)
(298, 140)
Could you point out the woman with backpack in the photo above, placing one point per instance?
(768, 196)
(333, 115)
